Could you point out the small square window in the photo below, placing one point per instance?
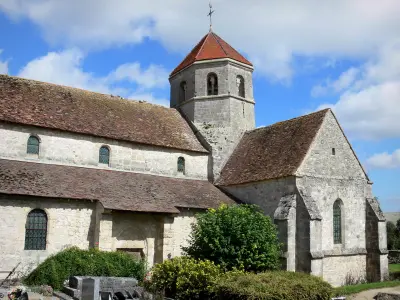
(333, 151)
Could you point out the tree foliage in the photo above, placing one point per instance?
(235, 237)
(393, 235)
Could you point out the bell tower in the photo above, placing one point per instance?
(213, 88)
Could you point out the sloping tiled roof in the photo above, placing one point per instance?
(211, 46)
(271, 152)
(114, 189)
(53, 106)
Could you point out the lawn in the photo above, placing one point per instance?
(357, 288)
(394, 268)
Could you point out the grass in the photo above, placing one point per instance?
(394, 268)
(354, 289)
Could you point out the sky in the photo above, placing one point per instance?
(308, 55)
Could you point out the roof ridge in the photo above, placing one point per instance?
(204, 39)
(118, 98)
(216, 39)
(292, 119)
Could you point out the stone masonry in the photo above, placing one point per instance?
(221, 119)
(76, 149)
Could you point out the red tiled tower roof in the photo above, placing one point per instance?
(211, 46)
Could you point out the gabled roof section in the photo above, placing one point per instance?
(64, 108)
(115, 190)
(211, 46)
(272, 152)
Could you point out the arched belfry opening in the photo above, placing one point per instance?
(240, 86)
(212, 84)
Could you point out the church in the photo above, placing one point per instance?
(79, 168)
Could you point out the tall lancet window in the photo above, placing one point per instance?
(240, 86)
(181, 165)
(212, 84)
(337, 222)
(182, 92)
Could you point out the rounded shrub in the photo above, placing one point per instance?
(235, 237)
(183, 278)
(272, 286)
(76, 262)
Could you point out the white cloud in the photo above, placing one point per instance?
(343, 82)
(66, 68)
(385, 160)
(3, 65)
(154, 76)
(369, 107)
(271, 32)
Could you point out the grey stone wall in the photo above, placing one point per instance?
(60, 147)
(70, 223)
(221, 119)
(327, 177)
(266, 194)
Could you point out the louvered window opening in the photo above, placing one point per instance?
(104, 157)
(33, 145)
(337, 224)
(36, 230)
(181, 165)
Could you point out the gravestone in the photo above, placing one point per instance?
(90, 289)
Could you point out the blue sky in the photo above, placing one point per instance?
(308, 55)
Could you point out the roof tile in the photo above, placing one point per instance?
(279, 148)
(211, 46)
(54, 106)
(114, 189)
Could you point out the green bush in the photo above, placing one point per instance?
(235, 237)
(76, 262)
(272, 286)
(183, 278)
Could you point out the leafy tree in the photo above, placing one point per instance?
(393, 235)
(235, 237)
(398, 225)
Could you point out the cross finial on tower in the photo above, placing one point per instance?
(210, 15)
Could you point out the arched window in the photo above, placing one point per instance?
(33, 145)
(337, 222)
(104, 155)
(240, 86)
(181, 165)
(182, 92)
(212, 84)
(36, 230)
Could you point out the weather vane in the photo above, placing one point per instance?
(210, 14)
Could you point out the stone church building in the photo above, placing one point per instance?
(92, 170)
